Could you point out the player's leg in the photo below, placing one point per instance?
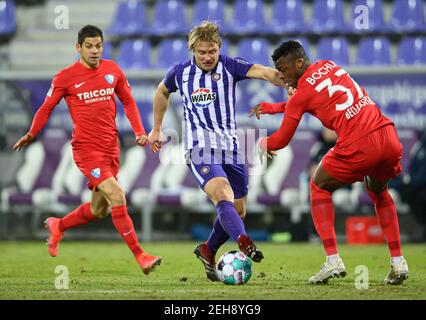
(388, 219)
(321, 187)
(85, 213)
(116, 199)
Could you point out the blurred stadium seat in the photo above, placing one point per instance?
(374, 51)
(134, 54)
(129, 19)
(412, 51)
(328, 17)
(171, 52)
(375, 16)
(336, 49)
(7, 18)
(168, 18)
(407, 16)
(287, 16)
(213, 10)
(255, 51)
(247, 17)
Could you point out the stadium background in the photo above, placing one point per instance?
(385, 53)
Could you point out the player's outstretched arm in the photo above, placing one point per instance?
(161, 102)
(261, 72)
(42, 115)
(267, 108)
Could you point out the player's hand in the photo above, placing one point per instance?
(155, 140)
(142, 140)
(263, 152)
(257, 110)
(290, 90)
(23, 142)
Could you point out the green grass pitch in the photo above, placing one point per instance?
(107, 270)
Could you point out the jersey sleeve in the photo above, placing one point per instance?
(282, 136)
(56, 91)
(271, 108)
(238, 67)
(170, 79)
(297, 104)
(131, 110)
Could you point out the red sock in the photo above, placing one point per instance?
(79, 216)
(322, 212)
(388, 219)
(124, 225)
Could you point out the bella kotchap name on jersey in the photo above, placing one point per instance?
(324, 70)
(355, 109)
(96, 95)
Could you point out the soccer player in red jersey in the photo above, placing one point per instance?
(367, 149)
(88, 87)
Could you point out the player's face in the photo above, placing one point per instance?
(290, 69)
(90, 51)
(206, 55)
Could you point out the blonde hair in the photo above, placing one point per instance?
(207, 31)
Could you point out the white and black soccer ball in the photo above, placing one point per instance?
(234, 267)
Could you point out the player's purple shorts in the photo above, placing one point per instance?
(206, 164)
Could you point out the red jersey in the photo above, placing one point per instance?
(89, 94)
(328, 92)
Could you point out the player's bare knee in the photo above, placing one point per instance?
(117, 198)
(223, 193)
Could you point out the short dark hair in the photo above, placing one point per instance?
(89, 31)
(289, 47)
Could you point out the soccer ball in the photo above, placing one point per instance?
(234, 267)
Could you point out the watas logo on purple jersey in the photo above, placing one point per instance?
(203, 97)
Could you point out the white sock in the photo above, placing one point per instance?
(332, 259)
(396, 260)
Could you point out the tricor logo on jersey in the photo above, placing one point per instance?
(96, 95)
(202, 97)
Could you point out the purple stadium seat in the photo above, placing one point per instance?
(52, 141)
(287, 16)
(247, 17)
(407, 15)
(107, 54)
(335, 49)
(171, 52)
(7, 18)
(412, 51)
(374, 51)
(129, 19)
(255, 51)
(375, 16)
(225, 47)
(213, 10)
(134, 54)
(327, 16)
(301, 145)
(168, 18)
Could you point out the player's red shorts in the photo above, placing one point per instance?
(377, 155)
(96, 166)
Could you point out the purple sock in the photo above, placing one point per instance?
(230, 220)
(218, 236)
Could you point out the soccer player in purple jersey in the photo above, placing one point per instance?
(207, 86)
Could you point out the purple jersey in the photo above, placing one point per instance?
(209, 101)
